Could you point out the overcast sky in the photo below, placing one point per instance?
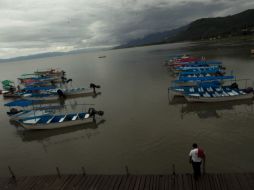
(36, 26)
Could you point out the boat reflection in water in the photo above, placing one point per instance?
(212, 110)
(40, 135)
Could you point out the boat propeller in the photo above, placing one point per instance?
(13, 111)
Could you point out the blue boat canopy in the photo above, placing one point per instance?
(185, 79)
(21, 103)
(199, 71)
(32, 88)
(191, 67)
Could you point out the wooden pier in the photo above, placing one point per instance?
(220, 181)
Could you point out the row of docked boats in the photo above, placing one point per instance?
(44, 86)
(35, 91)
(200, 80)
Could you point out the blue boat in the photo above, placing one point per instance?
(222, 94)
(193, 81)
(200, 87)
(51, 121)
(34, 109)
(201, 71)
(180, 69)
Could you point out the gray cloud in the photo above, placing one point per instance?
(29, 26)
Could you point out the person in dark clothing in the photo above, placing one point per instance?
(196, 156)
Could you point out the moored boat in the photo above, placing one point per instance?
(201, 87)
(22, 114)
(192, 81)
(55, 94)
(59, 121)
(220, 95)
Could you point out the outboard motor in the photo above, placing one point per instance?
(13, 111)
(69, 80)
(92, 112)
(63, 73)
(12, 89)
(218, 73)
(221, 67)
(94, 86)
(248, 90)
(63, 79)
(234, 85)
(61, 94)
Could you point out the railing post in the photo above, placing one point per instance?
(173, 169)
(12, 173)
(173, 174)
(127, 171)
(83, 171)
(58, 172)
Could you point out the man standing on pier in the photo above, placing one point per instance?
(197, 155)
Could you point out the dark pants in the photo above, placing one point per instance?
(196, 169)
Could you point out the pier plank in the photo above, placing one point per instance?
(147, 182)
(123, 182)
(141, 185)
(217, 181)
(84, 184)
(118, 182)
(112, 183)
(74, 184)
(93, 182)
(103, 182)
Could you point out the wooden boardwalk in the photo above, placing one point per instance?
(243, 181)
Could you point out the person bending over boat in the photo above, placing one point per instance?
(196, 156)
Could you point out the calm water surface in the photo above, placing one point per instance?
(140, 128)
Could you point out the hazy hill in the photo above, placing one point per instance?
(204, 28)
(155, 38)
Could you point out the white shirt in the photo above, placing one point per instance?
(194, 155)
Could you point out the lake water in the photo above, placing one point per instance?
(141, 128)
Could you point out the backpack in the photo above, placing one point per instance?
(201, 153)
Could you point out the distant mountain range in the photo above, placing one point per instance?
(50, 54)
(202, 29)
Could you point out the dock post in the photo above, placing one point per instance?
(58, 172)
(12, 173)
(173, 175)
(127, 171)
(173, 169)
(83, 171)
(169, 98)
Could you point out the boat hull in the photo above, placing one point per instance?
(67, 95)
(56, 125)
(11, 95)
(218, 99)
(29, 113)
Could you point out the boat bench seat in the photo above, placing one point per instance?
(242, 92)
(236, 93)
(44, 119)
(69, 116)
(50, 120)
(232, 93)
(57, 118)
(74, 117)
(81, 115)
(62, 119)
